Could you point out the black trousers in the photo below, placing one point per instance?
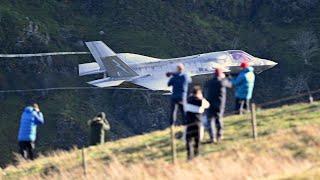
(26, 149)
(193, 140)
(215, 123)
(242, 105)
(175, 106)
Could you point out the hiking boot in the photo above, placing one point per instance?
(220, 138)
(213, 141)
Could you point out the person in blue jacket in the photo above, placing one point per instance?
(30, 119)
(244, 84)
(179, 82)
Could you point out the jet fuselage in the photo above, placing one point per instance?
(153, 70)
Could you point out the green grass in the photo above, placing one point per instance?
(156, 145)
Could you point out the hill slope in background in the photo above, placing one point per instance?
(288, 144)
(154, 28)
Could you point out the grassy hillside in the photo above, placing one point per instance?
(288, 143)
(311, 172)
(150, 27)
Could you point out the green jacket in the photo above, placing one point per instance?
(98, 126)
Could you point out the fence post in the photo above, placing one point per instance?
(84, 162)
(173, 145)
(2, 174)
(254, 121)
(310, 99)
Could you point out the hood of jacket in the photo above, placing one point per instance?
(28, 109)
(248, 69)
(97, 119)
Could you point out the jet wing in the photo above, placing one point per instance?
(153, 83)
(107, 82)
(114, 81)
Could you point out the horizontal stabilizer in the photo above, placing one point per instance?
(106, 82)
(89, 68)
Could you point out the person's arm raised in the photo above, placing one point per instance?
(38, 117)
(227, 83)
(238, 80)
(106, 125)
(170, 82)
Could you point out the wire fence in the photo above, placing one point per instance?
(272, 102)
(41, 54)
(68, 88)
(278, 100)
(260, 105)
(174, 149)
(293, 97)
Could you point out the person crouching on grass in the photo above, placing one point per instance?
(194, 108)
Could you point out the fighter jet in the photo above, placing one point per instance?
(149, 72)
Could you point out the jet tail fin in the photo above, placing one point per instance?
(115, 67)
(99, 50)
(108, 61)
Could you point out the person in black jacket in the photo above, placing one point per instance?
(98, 126)
(216, 95)
(194, 108)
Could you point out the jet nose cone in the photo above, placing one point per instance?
(264, 64)
(270, 63)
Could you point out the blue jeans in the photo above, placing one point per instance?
(242, 105)
(175, 106)
(215, 123)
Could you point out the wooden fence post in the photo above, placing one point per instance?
(2, 174)
(311, 99)
(254, 121)
(84, 162)
(173, 145)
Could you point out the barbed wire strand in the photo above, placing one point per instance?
(264, 104)
(140, 89)
(86, 88)
(41, 54)
(68, 88)
(289, 98)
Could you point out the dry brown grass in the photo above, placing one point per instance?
(288, 144)
(270, 157)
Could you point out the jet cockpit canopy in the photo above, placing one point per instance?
(239, 56)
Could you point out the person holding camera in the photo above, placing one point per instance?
(195, 107)
(179, 82)
(98, 126)
(30, 119)
(244, 84)
(217, 95)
